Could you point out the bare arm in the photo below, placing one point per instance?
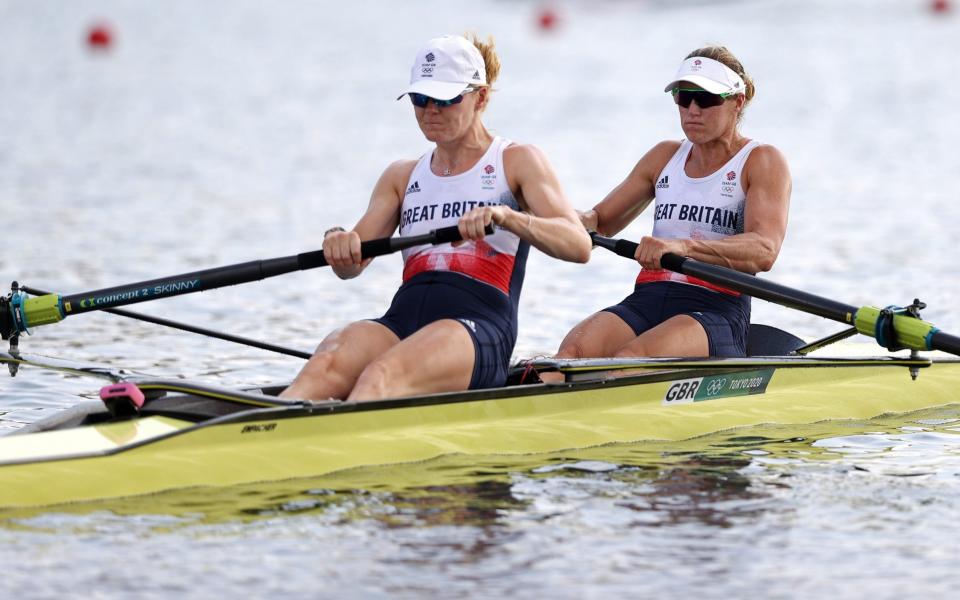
(551, 224)
(768, 186)
(632, 196)
(342, 248)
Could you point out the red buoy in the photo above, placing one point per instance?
(547, 19)
(100, 37)
(940, 6)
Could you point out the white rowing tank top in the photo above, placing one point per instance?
(698, 208)
(431, 202)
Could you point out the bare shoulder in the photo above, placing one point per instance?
(658, 156)
(765, 156)
(522, 156)
(767, 167)
(395, 177)
(663, 150)
(655, 159)
(400, 169)
(526, 164)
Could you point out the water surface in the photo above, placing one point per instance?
(220, 132)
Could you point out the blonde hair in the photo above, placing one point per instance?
(722, 54)
(489, 53)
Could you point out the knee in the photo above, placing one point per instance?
(322, 377)
(570, 348)
(375, 380)
(636, 349)
(322, 364)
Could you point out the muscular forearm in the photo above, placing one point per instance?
(746, 252)
(555, 236)
(610, 222)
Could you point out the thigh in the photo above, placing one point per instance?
(681, 335)
(599, 335)
(727, 334)
(438, 357)
(338, 361)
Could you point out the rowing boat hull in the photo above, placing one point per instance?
(160, 453)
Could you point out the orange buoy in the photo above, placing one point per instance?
(100, 37)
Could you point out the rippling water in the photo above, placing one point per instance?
(220, 132)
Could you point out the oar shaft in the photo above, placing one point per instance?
(759, 288)
(945, 342)
(176, 285)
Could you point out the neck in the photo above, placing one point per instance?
(710, 156)
(457, 156)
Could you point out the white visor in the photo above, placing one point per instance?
(711, 75)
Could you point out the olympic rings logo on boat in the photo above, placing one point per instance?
(716, 386)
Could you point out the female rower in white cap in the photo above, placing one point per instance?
(720, 198)
(452, 324)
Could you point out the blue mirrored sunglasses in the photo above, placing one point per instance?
(420, 100)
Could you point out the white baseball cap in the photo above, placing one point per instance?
(445, 67)
(711, 75)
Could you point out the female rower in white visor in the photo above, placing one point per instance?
(452, 324)
(720, 198)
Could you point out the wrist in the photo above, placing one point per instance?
(590, 219)
(331, 230)
(521, 218)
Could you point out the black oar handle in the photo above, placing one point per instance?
(624, 248)
(380, 247)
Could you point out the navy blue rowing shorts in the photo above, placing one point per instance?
(725, 318)
(487, 314)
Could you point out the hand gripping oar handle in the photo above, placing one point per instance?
(892, 327)
(21, 313)
(380, 247)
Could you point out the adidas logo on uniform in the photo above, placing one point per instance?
(414, 187)
(476, 76)
(664, 183)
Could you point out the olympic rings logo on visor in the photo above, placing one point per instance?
(704, 99)
(420, 100)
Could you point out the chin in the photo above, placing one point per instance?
(436, 136)
(697, 136)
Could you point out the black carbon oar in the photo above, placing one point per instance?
(18, 313)
(895, 328)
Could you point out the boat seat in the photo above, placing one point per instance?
(765, 340)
